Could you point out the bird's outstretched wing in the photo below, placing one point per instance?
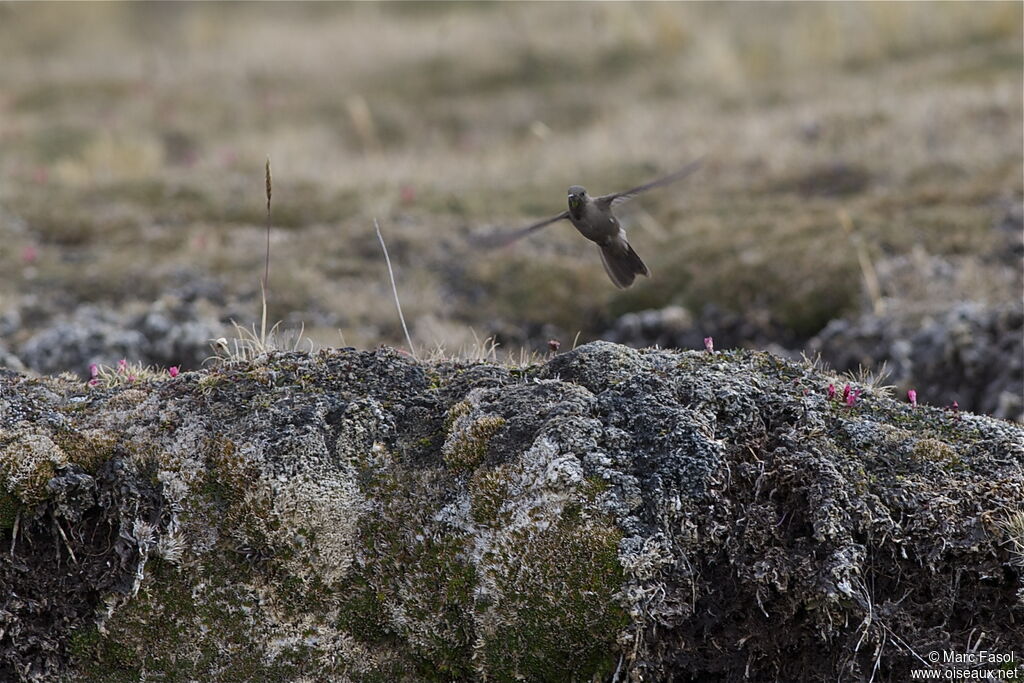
(502, 238)
(617, 198)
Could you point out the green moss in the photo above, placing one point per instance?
(454, 413)
(231, 483)
(594, 487)
(83, 642)
(98, 658)
(174, 635)
(933, 423)
(446, 653)
(933, 450)
(435, 590)
(557, 618)
(488, 490)
(553, 617)
(468, 449)
(301, 595)
(362, 611)
(88, 449)
(425, 577)
(208, 382)
(433, 378)
(185, 626)
(27, 463)
(9, 509)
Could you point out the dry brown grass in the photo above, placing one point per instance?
(134, 138)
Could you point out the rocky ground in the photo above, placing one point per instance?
(609, 514)
(861, 196)
(972, 354)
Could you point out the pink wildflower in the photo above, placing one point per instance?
(29, 254)
(174, 370)
(831, 391)
(122, 365)
(131, 378)
(846, 394)
(93, 382)
(554, 345)
(94, 370)
(912, 397)
(851, 399)
(709, 344)
(407, 193)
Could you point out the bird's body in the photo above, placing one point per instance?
(594, 222)
(593, 218)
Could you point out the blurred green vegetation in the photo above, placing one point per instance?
(134, 137)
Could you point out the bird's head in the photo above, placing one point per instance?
(577, 197)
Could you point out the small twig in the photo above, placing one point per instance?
(394, 289)
(14, 534)
(878, 660)
(64, 536)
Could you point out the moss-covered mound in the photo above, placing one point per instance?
(611, 514)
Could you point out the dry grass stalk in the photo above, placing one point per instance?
(867, 267)
(394, 288)
(266, 266)
(249, 343)
(875, 378)
(1013, 527)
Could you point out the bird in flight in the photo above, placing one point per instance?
(593, 218)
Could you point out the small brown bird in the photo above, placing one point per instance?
(593, 217)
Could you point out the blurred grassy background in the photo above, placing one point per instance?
(134, 135)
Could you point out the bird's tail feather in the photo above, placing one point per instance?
(622, 263)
